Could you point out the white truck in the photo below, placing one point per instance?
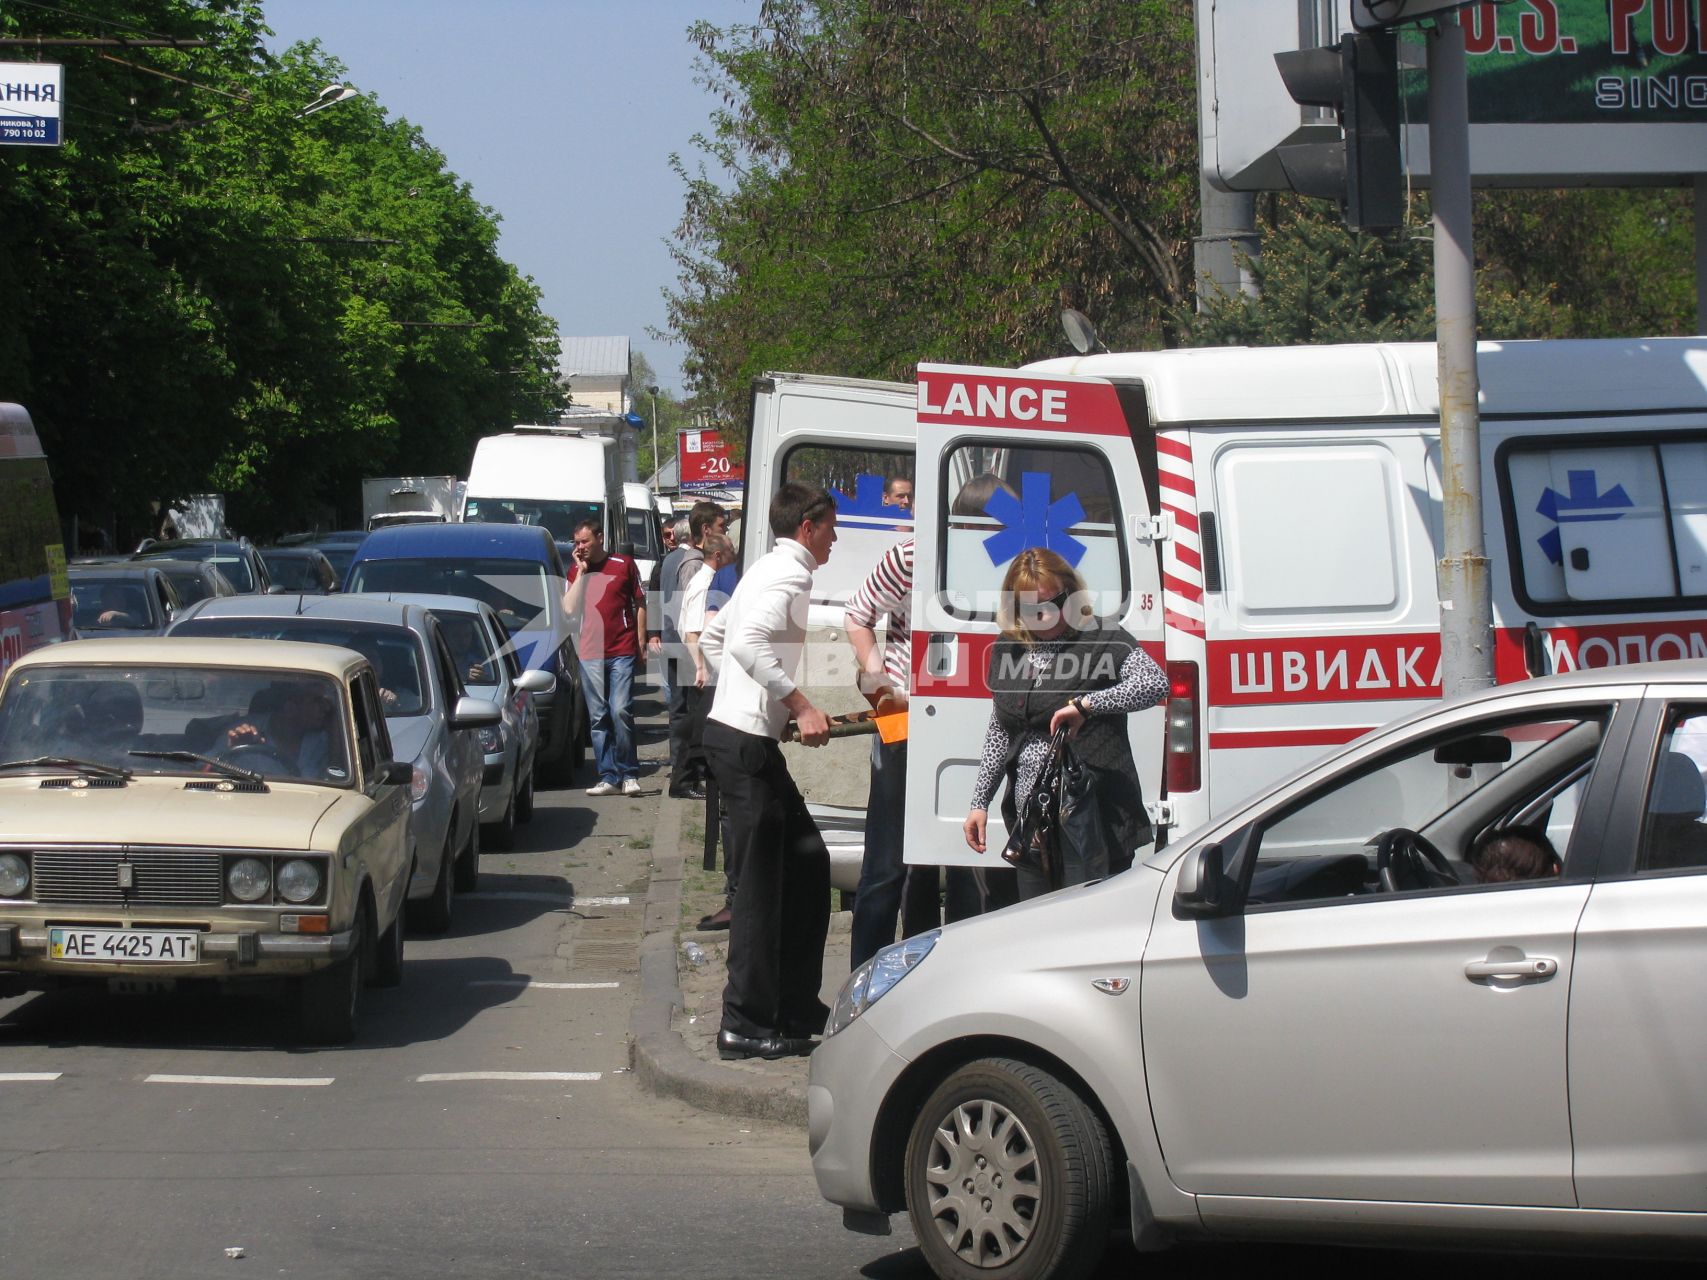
(1266, 522)
(552, 476)
(389, 500)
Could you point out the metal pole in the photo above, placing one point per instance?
(1223, 253)
(1466, 605)
(656, 466)
(1700, 253)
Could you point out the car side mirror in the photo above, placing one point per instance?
(394, 773)
(474, 713)
(275, 589)
(534, 680)
(1203, 890)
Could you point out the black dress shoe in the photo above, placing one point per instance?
(718, 919)
(691, 792)
(731, 1046)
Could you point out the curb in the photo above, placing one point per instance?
(662, 1063)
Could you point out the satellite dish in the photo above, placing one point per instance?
(1080, 331)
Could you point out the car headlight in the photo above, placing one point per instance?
(14, 875)
(866, 984)
(299, 881)
(248, 879)
(491, 740)
(419, 781)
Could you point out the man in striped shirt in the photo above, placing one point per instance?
(887, 886)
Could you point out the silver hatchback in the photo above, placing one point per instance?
(1442, 987)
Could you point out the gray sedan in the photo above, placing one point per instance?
(486, 657)
(120, 600)
(1441, 987)
(432, 722)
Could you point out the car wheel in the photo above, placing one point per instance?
(1009, 1174)
(524, 800)
(326, 1000)
(388, 955)
(432, 915)
(468, 861)
(500, 834)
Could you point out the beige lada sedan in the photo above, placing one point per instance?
(181, 810)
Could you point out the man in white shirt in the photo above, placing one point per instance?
(781, 913)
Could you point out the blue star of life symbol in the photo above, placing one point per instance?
(1032, 520)
(1582, 504)
(867, 500)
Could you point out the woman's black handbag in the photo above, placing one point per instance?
(1064, 832)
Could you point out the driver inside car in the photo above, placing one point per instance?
(291, 722)
(1513, 853)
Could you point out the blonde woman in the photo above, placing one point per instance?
(1058, 666)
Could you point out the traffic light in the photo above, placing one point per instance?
(1359, 80)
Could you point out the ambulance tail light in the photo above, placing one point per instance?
(1185, 758)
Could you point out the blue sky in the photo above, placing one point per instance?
(562, 115)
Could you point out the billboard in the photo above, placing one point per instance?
(704, 461)
(1562, 92)
(32, 104)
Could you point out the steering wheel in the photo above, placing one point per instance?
(1406, 860)
(251, 755)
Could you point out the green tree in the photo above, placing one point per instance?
(213, 292)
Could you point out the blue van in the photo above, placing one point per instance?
(516, 569)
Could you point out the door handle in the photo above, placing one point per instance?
(1524, 969)
(941, 654)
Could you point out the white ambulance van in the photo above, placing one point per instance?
(1267, 522)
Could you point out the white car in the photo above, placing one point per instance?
(1367, 1006)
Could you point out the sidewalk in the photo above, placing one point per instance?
(672, 1044)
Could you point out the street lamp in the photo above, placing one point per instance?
(657, 466)
(330, 96)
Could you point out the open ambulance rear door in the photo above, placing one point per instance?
(1007, 462)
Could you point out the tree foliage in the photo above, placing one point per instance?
(895, 181)
(209, 291)
(925, 179)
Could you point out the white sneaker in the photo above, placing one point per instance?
(631, 786)
(603, 789)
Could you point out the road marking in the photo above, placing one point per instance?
(25, 1077)
(265, 1082)
(555, 899)
(440, 1077)
(533, 984)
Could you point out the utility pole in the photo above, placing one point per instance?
(1466, 600)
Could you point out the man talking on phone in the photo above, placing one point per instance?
(606, 605)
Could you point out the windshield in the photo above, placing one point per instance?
(643, 533)
(395, 652)
(281, 724)
(110, 604)
(342, 555)
(192, 584)
(560, 518)
(234, 567)
(517, 590)
(294, 573)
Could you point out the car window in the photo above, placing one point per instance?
(281, 724)
(110, 604)
(394, 651)
(1492, 803)
(450, 679)
(1674, 828)
(469, 648)
(361, 704)
(516, 590)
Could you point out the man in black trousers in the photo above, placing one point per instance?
(781, 912)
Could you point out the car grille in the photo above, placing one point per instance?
(157, 879)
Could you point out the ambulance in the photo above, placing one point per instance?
(1267, 522)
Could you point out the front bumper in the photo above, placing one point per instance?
(852, 1073)
(245, 952)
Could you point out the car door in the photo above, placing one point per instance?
(1638, 1051)
(383, 833)
(1335, 1040)
(1006, 463)
(462, 745)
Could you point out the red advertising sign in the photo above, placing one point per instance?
(704, 461)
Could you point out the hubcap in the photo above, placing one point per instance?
(982, 1183)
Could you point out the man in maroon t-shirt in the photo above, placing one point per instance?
(607, 607)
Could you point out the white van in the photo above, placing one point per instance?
(641, 531)
(551, 476)
(849, 435)
(1267, 523)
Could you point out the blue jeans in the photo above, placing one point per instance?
(609, 686)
